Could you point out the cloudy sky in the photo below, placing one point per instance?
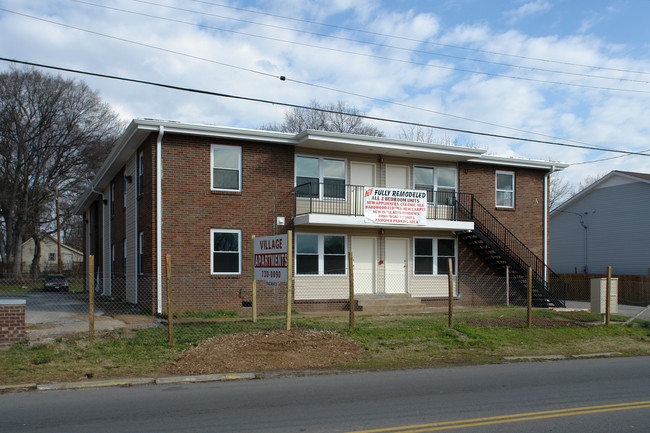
(574, 72)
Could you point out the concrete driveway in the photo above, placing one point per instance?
(49, 314)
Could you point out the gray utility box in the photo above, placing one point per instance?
(599, 294)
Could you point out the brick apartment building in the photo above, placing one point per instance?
(198, 193)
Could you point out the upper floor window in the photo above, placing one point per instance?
(438, 182)
(312, 171)
(505, 189)
(431, 256)
(226, 168)
(226, 251)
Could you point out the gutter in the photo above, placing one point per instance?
(161, 132)
(546, 181)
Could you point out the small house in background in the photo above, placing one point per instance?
(72, 259)
(606, 224)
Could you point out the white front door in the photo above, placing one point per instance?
(397, 176)
(364, 253)
(396, 265)
(361, 174)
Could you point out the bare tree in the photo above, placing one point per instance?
(338, 117)
(54, 133)
(589, 180)
(559, 190)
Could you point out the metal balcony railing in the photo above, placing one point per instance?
(334, 198)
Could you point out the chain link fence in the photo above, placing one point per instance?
(180, 308)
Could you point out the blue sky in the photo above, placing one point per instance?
(569, 71)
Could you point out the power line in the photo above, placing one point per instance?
(375, 56)
(351, 29)
(300, 82)
(323, 110)
(375, 44)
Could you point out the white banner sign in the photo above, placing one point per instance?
(395, 206)
(271, 258)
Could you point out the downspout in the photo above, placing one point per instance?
(546, 180)
(161, 132)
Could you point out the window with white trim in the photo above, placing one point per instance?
(226, 168)
(320, 254)
(505, 189)
(438, 182)
(430, 256)
(313, 171)
(225, 247)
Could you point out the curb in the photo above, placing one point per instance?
(559, 357)
(128, 382)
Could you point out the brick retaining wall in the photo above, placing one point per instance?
(12, 321)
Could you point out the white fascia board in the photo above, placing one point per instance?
(218, 131)
(520, 162)
(383, 145)
(361, 222)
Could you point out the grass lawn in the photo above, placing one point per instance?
(389, 342)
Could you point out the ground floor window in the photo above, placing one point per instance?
(320, 254)
(226, 251)
(430, 255)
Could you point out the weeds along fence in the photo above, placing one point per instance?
(189, 308)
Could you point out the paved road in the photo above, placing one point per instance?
(361, 401)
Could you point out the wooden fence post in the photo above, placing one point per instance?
(351, 285)
(170, 303)
(289, 276)
(91, 297)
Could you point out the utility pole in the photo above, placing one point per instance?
(58, 231)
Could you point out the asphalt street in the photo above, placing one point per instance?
(594, 395)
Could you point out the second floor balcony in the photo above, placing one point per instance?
(338, 204)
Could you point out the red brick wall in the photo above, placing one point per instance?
(12, 322)
(526, 220)
(118, 233)
(146, 205)
(191, 209)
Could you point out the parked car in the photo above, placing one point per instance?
(55, 282)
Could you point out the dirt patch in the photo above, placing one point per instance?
(297, 349)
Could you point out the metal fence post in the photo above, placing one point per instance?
(507, 285)
(608, 294)
(170, 303)
(254, 285)
(529, 309)
(91, 297)
(450, 281)
(351, 271)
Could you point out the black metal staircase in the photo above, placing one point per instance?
(502, 250)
